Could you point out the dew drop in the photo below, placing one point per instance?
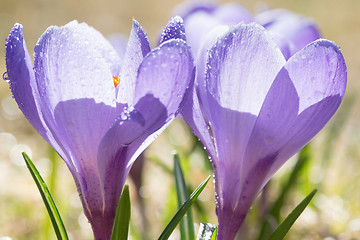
(6, 77)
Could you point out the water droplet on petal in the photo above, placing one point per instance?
(6, 77)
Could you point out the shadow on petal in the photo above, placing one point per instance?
(118, 148)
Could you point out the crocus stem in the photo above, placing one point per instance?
(102, 227)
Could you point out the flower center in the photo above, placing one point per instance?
(116, 80)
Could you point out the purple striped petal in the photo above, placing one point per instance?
(319, 75)
(291, 31)
(21, 77)
(137, 48)
(242, 185)
(163, 78)
(165, 72)
(197, 25)
(187, 8)
(24, 88)
(232, 14)
(119, 43)
(173, 30)
(199, 21)
(192, 114)
(74, 78)
(70, 66)
(201, 59)
(245, 59)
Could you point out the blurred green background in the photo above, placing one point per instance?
(334, 166)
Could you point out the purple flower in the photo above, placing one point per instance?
(253, 110)
(291, 31)
(98, 114)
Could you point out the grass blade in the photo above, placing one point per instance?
(184, 208)
(285, 226)
(186, 223)
(54, 214)
(214, 235)
(122, 217)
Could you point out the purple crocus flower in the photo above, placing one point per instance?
(291, 31)
(200, 19)
(97, 114)
(253, 110)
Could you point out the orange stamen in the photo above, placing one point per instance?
(116, 80)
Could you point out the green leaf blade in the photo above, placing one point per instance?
(184, 208)
(122, 217)
(214, 235)
(285, 226)
(50, 205)
(186, 223)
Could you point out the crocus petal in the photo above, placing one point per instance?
(163, 78)
(119, 43)
(21, 77)
(319, 75)
(165, 83)
(23, 85)
(291, 31)
(192, 114)
(187, 8)
(191, 110)
(174, 29)
(239, 60)
(74, 78)
(232, 14)
(113, 158)
(242, 185)
(248, 60)
(201, 59)
(172, 60)
(92, 63)
(197, 25)
(137, 47)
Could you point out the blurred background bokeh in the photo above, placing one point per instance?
(334, 167)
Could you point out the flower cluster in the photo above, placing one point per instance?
(259, 89)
